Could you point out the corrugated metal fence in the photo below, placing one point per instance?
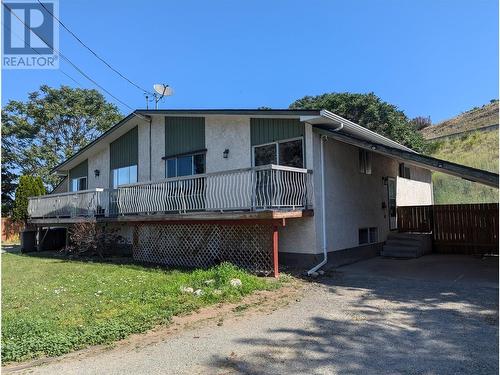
(456, 228)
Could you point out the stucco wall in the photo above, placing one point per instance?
(227, 132)
(355, 200)
(100, 161)
(304, 235)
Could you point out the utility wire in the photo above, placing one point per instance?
(68, 60)
(93, 52)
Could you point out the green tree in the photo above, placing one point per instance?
(29, 186)
(370, 111)
(52, 125)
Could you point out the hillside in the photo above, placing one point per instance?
(476, 149)
(466, 144)
(475, 118)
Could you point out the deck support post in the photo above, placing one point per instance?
(275, 250)
(66, 241)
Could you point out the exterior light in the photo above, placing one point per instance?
(97, 172)
(225, 154)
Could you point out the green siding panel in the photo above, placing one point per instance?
(81, 170)
(266, 130)
(124, 151)
(184, 134)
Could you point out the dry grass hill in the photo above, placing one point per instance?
(466, 145)
(473, 119)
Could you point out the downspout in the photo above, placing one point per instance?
(323, 210)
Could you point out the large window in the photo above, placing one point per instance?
(288, 153)
(185, 165)
(79, 183)
(124, 175)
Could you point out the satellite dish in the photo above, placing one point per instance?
(163, 90)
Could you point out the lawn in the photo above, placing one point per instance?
(52, 306)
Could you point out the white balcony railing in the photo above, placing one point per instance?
(266, 187)
(85, 203)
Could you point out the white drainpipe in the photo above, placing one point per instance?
(323, 210)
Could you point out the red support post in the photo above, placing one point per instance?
(275, 250)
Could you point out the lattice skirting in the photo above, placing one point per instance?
(249, 246)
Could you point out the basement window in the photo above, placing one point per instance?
(367, 235)
(365, 162)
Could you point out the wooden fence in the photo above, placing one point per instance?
(11, 229)
(456, 228)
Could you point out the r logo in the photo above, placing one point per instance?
(30, 38)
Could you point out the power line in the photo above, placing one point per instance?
(68, 60)
(93, 52)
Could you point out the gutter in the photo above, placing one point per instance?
(323, 210)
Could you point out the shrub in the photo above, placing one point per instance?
(94, 239)
(29, 186)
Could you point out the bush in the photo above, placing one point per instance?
(94, 239)
(29, 186)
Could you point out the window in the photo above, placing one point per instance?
(367, 235)
(79, 183)
(365, 162)
(373, 234)
(124, 175)
(363, 236)
(186, 165)
(404, 171)
(288, 153)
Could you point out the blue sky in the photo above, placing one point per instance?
(432, 57)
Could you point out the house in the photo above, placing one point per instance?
(255, 187)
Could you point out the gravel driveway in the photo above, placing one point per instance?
(433, 315)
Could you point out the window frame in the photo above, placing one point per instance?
(370, 240)
(176, 157)
(404, 171)
(276, 143)
(117, 169)
(364, 161)
(78, 183)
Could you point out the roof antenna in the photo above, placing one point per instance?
(161, 90)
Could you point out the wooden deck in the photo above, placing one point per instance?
(261, 215)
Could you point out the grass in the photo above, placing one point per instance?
(478, 150)
(53, 306)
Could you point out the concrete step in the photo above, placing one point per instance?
(401, 251)
(405, 236)
(402, 242)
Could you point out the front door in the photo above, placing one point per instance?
(391, 195)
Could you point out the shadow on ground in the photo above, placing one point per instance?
(373, 324)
